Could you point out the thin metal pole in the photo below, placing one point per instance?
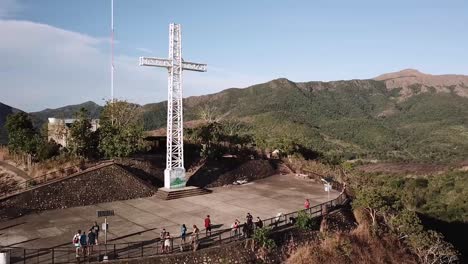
(105, 233)
(112, 50)
(112, 62)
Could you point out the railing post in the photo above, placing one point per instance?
(115, 252)
(172, 244)
(53, 255)
(24, 255)
(142, 245)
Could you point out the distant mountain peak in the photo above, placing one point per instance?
(412, 81)
(410, 71)
(400, 74)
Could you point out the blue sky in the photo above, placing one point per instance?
(56, 52)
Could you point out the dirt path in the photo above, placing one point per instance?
(14, 170)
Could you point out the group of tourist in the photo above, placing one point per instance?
(247, 226)
(84, 242)
(247, 229)
(166, 238)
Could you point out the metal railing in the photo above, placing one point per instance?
(155, 247)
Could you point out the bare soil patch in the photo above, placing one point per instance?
(403, 168)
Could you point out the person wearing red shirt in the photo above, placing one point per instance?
(307, 204)
(207, 225)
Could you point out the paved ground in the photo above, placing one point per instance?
(143, 219)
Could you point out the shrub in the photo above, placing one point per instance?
(305, 222)
(262, 237)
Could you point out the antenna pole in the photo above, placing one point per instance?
(112, 50)
(112, 62)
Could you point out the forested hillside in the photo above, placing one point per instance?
(342, 119)
(403, 116)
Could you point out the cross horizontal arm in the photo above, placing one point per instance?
(157, 62)
(166, 63)
(193, 66)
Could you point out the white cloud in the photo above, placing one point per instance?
(42, 66)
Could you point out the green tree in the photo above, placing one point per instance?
(22, 137)
(376, 202)
(430, 247)
(120, 132)
(81, 141)
(406, 223)
(47, 149)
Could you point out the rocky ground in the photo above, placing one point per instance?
(110, 183)
(228, 170)
(129, 179)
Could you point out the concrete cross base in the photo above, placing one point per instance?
(174, 178)
(169, 194)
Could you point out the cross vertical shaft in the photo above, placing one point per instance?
(175, 142)
(174, 174)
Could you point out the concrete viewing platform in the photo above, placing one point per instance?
(143, 218)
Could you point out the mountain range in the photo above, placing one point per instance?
(405, 115)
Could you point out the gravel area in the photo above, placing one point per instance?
(226, 171)
(107, 184)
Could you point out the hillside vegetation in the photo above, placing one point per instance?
(402, 116)
(341, 119)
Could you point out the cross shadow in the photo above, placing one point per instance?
(22, 242)
(132, 234)
(216, 226)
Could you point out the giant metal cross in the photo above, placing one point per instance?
(174, 174)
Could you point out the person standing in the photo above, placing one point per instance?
(167, 243)
(250, 225)
(183, 232)
(96, 230)
(249, 219)
(235, 227)
(307, 204)
(207, 225)
(76, 243)
(162, 236)
(245, 230)
(84, 243)
(259, 223)
(195, 234)
(91, 242)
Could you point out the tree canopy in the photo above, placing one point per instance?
(121, 129)
(22, 137)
